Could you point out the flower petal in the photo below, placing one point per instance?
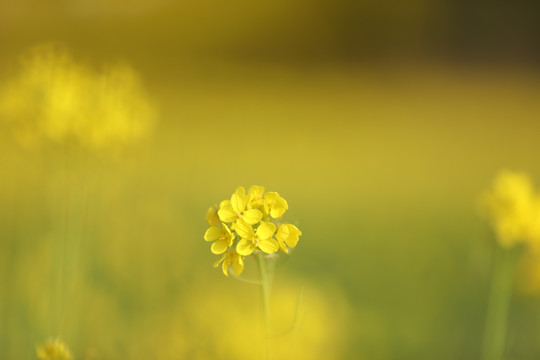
(244, 230)
(256, 191)
(237, 264)
(213, 234)
(283, 247)
(277, 212)
(255, 197)
(252, 216)
(245, 247)
(240, 191)
(225, 266)
(220, 246)
(265, 230)
(229, 235)
(227, 214)
(269, 246)
(212, 217)
(283, 232)
(294, 236)
(238, 200)
(271, 196)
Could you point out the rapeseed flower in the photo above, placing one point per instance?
(231, 258)
(54, 98)
(222, 238)
(235, 209)
(275, 205)
(514, 210)
(255, 197)
(259, 239)
(53, 349)
(287, 234)
(246, 224)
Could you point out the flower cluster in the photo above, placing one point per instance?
(53, 349)
(246, 223)
(514, 210)
(53, 97)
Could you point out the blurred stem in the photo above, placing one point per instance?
(499, 303)
(266, 272)
(249, 281)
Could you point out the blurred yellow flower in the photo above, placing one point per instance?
(308, 324)
(514, 209)
(57, 99)
(231, 258)
(53, 349)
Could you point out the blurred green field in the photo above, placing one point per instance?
(381, 166)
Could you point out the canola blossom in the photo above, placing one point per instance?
(249, 223)
(53, 97)
(514, 210)
(53, 349)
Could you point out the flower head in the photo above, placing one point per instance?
(53, 349)
(246, 224)
(514, 209)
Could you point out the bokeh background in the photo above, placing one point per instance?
(381, 123)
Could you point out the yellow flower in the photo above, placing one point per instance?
(52, 97)
(261, 238)
(53, 350)
(249, 218)
(533, 229)
(514, 209)
(255, 197)
(235, 209)
(287, 234)
(231, 258)
(275, 205)
(212, 217)
(222, 238)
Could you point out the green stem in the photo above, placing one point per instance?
(499, 303)
(266, 284)
(249, 281)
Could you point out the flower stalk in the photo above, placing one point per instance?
(251, 224)
(499, 303)
(513, 208)
(266, 273)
